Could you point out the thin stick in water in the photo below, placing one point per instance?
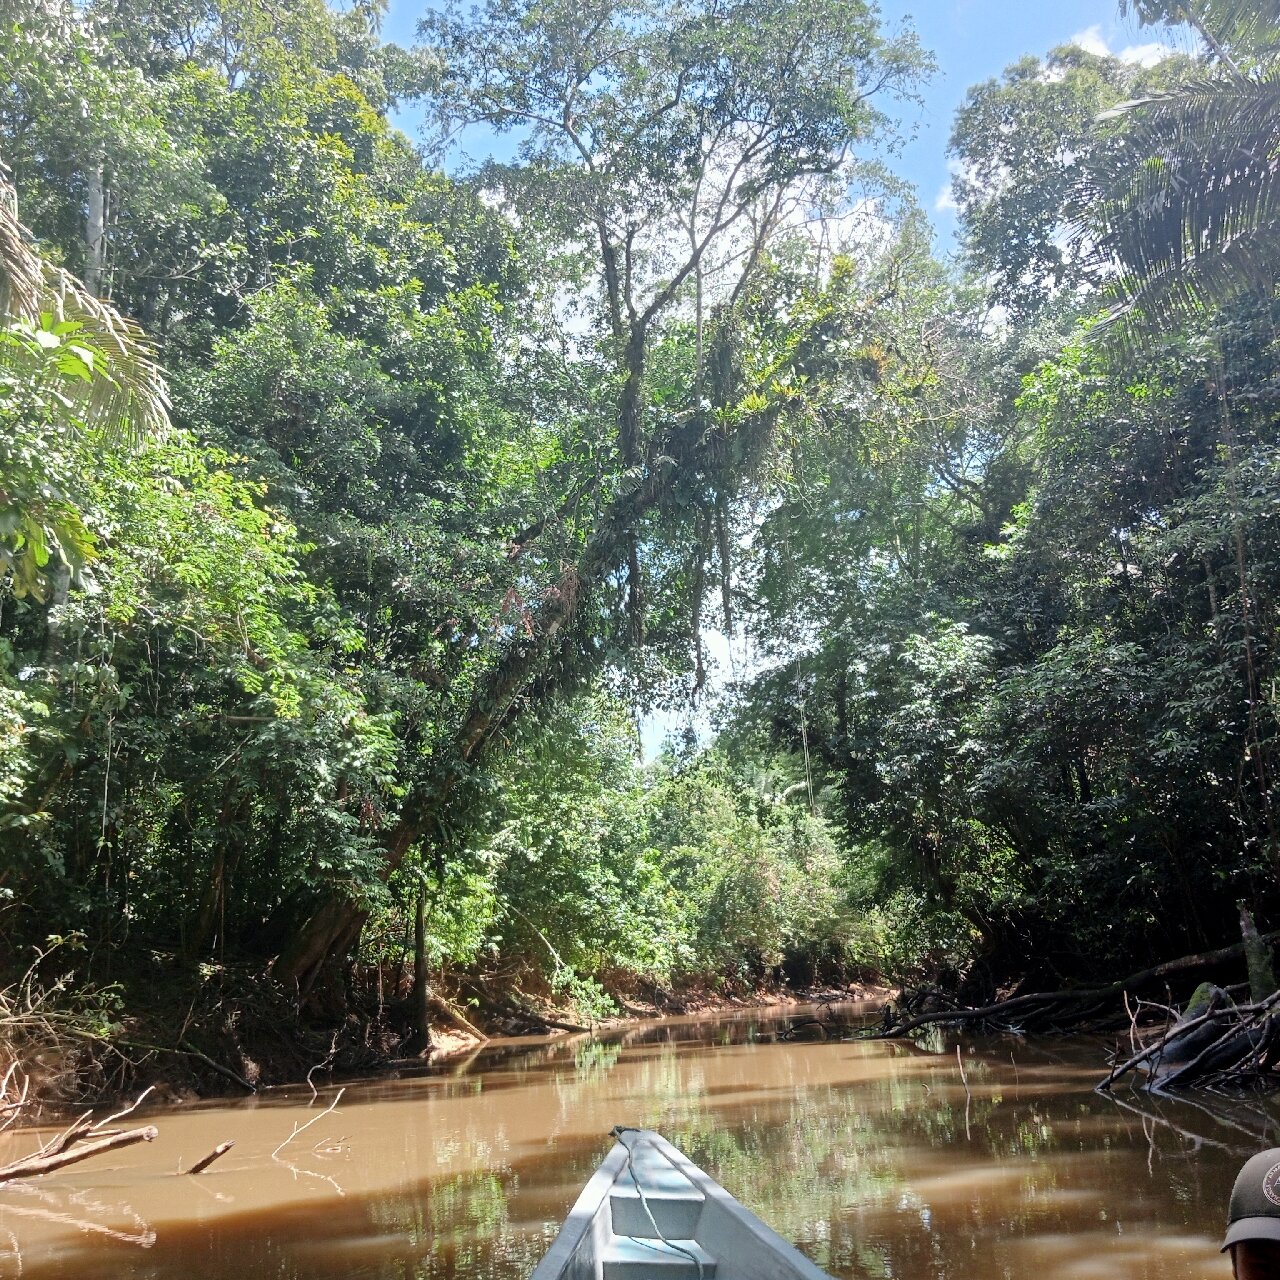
(298, 1128)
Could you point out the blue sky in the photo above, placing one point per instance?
(972, 41)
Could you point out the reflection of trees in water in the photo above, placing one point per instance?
(891, 1178)
(1229, 1123)
(900, 1171)
(595, 1059)
(460, 1227)
(877, 1178)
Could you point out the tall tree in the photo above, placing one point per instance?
(695, 139)
(1022, 145)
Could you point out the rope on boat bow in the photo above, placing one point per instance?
(616, 1132)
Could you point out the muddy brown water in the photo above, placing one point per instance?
(873, 1157)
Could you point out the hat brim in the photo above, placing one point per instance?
(1251, 1229)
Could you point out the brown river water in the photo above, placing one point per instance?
(873, 1157)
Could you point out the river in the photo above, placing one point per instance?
(878, 1159)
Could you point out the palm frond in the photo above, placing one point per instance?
(1186, 204)
(1228, 24)
(21, 270)
(129, 398)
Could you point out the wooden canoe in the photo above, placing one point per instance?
(649, 1213)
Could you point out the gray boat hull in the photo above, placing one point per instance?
(649, 1213)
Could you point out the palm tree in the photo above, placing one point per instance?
(1186, 202)
(76, 378)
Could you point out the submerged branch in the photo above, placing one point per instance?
(1037, 1002)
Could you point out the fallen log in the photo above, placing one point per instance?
(1231, 1051)
(1249, 1025)
(556, 1025)
(48, 1161)
(1159, 1046)
(1035, 1000)
(447, 1009)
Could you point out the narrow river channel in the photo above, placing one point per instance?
(874, 1157)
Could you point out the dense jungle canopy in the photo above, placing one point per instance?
(355, 516)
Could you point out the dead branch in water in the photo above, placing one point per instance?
(1039, 1004)
(1158, 1047)
(220, 1150)
(47, 1161)
(101, 1126)
(298, 1128)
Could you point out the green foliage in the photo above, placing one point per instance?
(602, 867)
(45, 451)
(461, 474)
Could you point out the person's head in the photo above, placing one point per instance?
(1255, 1259)
(1253, 1220)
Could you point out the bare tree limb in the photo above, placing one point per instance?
(38, 1164)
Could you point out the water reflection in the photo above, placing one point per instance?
(877, 1159)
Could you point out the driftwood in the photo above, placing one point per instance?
(447, 1009)
(46, 1161)
(220, 1150)
(529, 1015)
(1158, 1047)
(1041, 1004)
(57, 1152)
(556, 1025)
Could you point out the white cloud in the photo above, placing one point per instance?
(945, 201)
(1143, 55)
(1091, 41)
(1146, 55)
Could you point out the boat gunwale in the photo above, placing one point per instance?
(577, 1227)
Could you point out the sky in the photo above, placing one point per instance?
(972, 41)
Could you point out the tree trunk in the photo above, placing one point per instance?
(421, 1041)
(337, 922)
(54, 628)
(230, 837)
(1262, 978)
(95, 230)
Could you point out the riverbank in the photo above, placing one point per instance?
(204, 1032)
(449, 1041)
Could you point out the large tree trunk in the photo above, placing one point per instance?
(336, 923)
(95, 230)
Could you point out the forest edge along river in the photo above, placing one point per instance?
(875, 1158)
